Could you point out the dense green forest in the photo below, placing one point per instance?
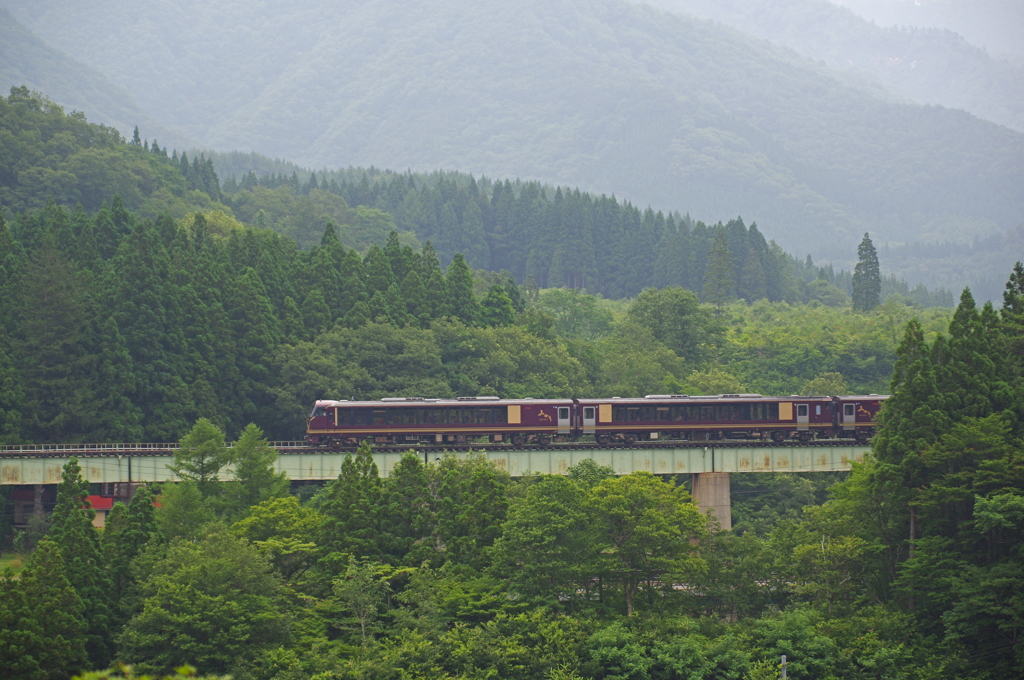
(118, 327)
(664, 110)
(156, 314)
(908, 568)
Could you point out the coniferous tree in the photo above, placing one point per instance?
(255, 478)
(867, 277)
(433, 282)
(753, 286)
(200, 456)
(459, 285)
(22, 642)
(407, 516)
(471, 505)
(59, 640)
(316, 315)
(52, 349)
(718, 279)
(352, 511)
(73, 533)
(1012, 315)
(496, 307)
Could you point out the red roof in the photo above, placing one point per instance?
(100, 503)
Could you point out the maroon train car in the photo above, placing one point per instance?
(406, 420)
(708, 417)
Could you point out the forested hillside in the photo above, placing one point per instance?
(25, 60)
(925, 65)
(907, 569)
(664, 110)
(119, 326)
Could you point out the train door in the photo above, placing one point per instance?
(589, 419)
(802, 416)
(849, 417)
(564, 423)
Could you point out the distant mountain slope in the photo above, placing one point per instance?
(995, 25)
(928, 65)
(27, 60)
(677, 112)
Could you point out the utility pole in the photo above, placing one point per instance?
(783, 666)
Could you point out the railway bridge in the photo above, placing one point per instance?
(709, 463)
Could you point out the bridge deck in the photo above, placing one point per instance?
(103, 463)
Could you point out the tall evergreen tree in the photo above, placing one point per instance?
(200, 456)
(459, 285)
(73, 533)
(57, 637)
(496, 307)
(255, 477)
(719, 284)
(407, 513)
(353, 508)
(867, 277)
(52, 349)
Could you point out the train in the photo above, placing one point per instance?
(413, 421)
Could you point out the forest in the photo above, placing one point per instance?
(119, 326)
(151, 303)
(732, 124)
(910, 567)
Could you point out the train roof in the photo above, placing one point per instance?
(457, 401)
(685, 398)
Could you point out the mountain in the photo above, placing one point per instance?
(678, 112)
(27, 60)
(994, 25)
(927, 64)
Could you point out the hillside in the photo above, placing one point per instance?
(994, 25)
(27, 60)
(615, 98)
(926, 64)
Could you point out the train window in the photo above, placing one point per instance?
(801, 410)
(486, 415)
(817, 410)
(318, 412)
(663, 413)
(563, 413)
(588, 413)
(378, 417)
(707, 413)
(848, 409)
(633, 414)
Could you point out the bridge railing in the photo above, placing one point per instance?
(58, 450)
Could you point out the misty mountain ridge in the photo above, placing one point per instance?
(677, 112)
(927, 65)
(27, 60)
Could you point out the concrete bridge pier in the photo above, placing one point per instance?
(711, 492)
